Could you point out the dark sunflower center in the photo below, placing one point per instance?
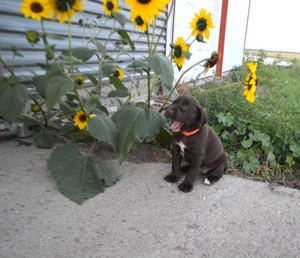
(36, 7)
(201, 24)
(62, 5)
(249, 85)
(82, 118)
(110, 6)
(139, 21)
(116, 73)
(144, 1)
(177, 51)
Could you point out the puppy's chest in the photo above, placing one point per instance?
(183, 148)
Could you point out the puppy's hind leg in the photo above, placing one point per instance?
(214, 175)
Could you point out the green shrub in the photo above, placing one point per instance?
(263, 137)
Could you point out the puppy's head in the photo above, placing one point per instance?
(186, 114)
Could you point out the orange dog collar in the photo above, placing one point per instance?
(190, 133)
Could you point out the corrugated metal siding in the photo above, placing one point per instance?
(13, 26)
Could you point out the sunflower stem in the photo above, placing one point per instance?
(173, 89)
(216, 89)
(42, 111)
(165, 25)
(71, 58)
(149, 71)
(36, 120)
(47, 46)
(6, 66)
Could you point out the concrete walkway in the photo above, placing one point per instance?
(142, 215)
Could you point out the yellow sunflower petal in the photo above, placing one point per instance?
(118, 73)
(110, 6)
(147, 10)
(250, 97)
(80, 120)
(201, 24)
(180, 46)
(252, 67)
(36, 9)
(60, 8)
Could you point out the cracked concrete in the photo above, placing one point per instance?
(142, 215)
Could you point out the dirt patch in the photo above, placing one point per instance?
(144, 153)
(150, 153)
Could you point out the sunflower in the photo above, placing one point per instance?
(118, 73)
(178, 52)
(60, 8)
(80, 119)
(110, 6)
(212, 61)
(147, 9)
(201, 24)
(251, 83)
(36, 9)
(79, 81)
(139, 23)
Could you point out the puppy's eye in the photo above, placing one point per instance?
(185, 107)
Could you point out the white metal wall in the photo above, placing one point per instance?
(184, 14)
(13, 26)
(235, 36)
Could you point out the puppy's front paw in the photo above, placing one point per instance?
(171, 178)
(185, 187)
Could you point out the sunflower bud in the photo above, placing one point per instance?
(32, 36)
(199, 37)
(14, 48)
(35, 108)
(49, 52)
(173, 45)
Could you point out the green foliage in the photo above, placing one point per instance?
(162, 66)
(13, 97)
(265, 134)
(134, 127)
(79, 177)
(65, 107)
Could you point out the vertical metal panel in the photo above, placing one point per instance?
(13, 26)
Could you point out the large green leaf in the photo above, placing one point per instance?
(116, 82)
(79, 177)
(41, 83)
(57, 87)
(43, 140)
(92, 79)
(103, 129)
(135, 125)
(162, 66)
(120, 18)
(13, 98)
(120, 93)
(126, 39)
(108, 70)
(82, 53)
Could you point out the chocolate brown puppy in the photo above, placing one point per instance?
(194, 142)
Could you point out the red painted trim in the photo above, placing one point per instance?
(222, 36)
(246, 28)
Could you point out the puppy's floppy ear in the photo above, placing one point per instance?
(202, 116)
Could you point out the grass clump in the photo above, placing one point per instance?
(263, 138)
